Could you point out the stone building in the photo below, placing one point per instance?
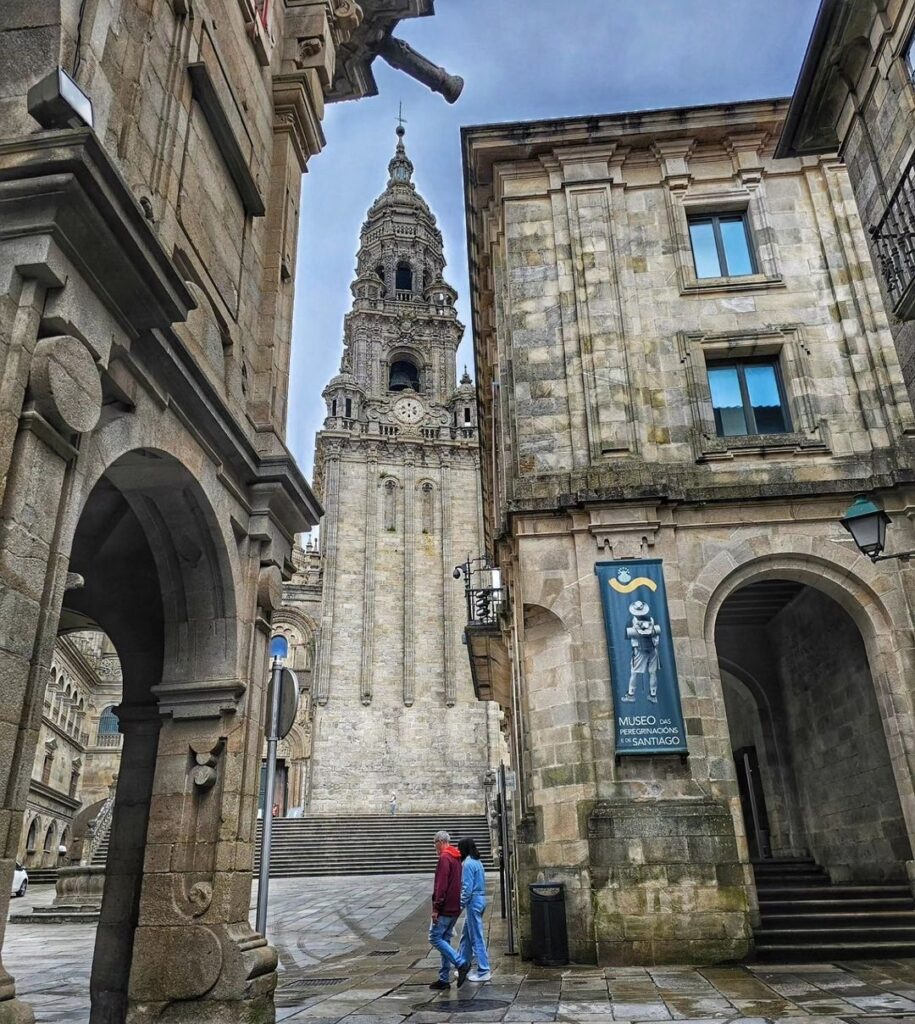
(79, 747)
(150, 169)
(298, 620)
(397, 469)
(684, 365)
(855, 96)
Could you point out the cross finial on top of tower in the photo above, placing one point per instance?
(401, 121)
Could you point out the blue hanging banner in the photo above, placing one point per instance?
(643, 673)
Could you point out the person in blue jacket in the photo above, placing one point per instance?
(473, 903)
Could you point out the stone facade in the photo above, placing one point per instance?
(147, 257)
(856, 96)
(397, 468)
(76, 761)
(594, 336)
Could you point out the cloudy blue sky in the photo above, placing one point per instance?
(520, 59)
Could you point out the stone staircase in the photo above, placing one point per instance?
(370, 844)
(805, 917)
(42, 876)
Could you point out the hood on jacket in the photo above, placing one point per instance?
(451, 851)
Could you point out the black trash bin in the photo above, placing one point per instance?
(549, 935)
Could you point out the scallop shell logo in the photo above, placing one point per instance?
(625, 584)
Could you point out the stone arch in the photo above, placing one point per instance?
(160, 583)
(31, 842)
(873, 598)
(411, 357)
(300, 632)
(427, 502)
(389, 495)
(50, 837)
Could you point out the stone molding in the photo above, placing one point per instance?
(211, 698)
(64, 185)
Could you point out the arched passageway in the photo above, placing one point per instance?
(156, 577)
(809, 733)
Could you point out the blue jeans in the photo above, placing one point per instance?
(473, 945)
(440, 937)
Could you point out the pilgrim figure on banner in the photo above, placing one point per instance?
(644, 635)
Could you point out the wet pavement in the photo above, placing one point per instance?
(355, 950)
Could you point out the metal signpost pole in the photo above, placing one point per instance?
(273, 713)
(506, 856)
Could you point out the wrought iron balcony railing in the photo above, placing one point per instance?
(893, 239)
(484, 605)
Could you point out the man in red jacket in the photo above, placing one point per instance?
(446, 908)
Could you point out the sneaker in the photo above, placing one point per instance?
(463, 971)
(440, 986)
(653, 698)
(480, 976)
(628, 697)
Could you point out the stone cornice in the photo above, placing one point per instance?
(63, 185)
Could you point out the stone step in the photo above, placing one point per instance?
(840, 906)
(42, 876)
(890, 919)
(804, 952)
(366, 844)
(864, 932)
(877, 890)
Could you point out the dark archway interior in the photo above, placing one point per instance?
(121, 591)
(807, 733)
(121, 594)
(403, 278)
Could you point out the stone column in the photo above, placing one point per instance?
(196, 958)
(330, 499)
(65, 400)
(409, 515)
(368, 593)
(139, 725)
(448, 583)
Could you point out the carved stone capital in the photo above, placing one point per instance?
(210, 698)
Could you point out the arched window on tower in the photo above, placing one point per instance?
(108, 735)
(403, 280)
(390, 505)
(403, 376)
(348, 405)
(428, 499)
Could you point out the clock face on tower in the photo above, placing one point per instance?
(409, 410)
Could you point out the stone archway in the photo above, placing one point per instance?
(864, 607)
(157, 578)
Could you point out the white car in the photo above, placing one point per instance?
(20, 880)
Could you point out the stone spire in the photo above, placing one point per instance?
(400, 169)
(402, 331)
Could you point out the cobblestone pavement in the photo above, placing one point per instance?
(354, 950)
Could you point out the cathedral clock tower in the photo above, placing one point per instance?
(397, 468)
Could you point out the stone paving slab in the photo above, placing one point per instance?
(367, 939)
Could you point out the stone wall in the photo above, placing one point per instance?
(389, 723)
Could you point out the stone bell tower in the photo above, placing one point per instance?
(397, 467)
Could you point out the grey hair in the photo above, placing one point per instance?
(442, 836)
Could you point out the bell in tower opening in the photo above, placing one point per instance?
(397, 470)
